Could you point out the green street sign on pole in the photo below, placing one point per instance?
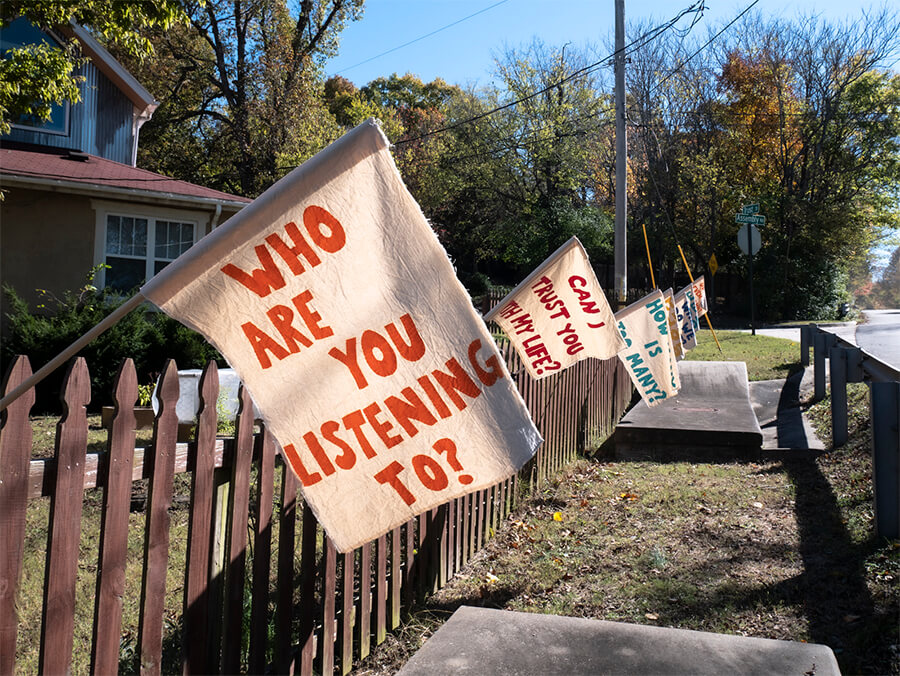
(748, 240)
(750, 218)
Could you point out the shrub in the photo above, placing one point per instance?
(147, 336)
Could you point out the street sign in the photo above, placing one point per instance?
(748, 239)
(750, 218)
(713, 265)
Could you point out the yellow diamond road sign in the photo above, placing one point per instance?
(713, 264)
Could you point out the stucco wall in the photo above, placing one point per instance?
(46, 241)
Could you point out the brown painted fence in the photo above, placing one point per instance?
(257, 586)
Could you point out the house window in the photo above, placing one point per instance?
(138, 247)
(21, 33)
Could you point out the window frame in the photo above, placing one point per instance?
(197, 219)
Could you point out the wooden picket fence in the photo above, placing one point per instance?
(255, 599)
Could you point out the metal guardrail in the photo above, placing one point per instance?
(848, 363)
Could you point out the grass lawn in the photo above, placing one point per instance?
(767, 358)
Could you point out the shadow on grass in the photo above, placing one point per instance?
(831, 590)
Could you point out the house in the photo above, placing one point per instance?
(73, 197)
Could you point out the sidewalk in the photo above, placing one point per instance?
(776, 404)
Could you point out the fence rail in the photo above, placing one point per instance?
(847, 363)
(260, 587)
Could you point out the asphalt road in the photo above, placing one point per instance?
(880, 335)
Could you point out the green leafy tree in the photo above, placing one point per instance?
(510, 187)
(35, 77)
(241, 90)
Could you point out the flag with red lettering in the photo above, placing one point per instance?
(648, 355)
(559, 314)
(698, 286)
(333, 300)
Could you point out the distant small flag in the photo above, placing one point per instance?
(674, 328)
(699, 288)
(684, 314)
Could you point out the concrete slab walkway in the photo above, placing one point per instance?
(711, 419)
(776, 404)
(484, 641)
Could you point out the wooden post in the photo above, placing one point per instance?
(885, 408)
(819, 364)
(806, 333)
(838, 366)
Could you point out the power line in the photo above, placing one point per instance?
(422, 37)
(634, 45)
(707, 44)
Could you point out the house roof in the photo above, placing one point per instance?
(72, 171)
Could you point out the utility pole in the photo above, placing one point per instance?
(621, 252)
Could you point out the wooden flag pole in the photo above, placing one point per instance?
(649, 261)
(684, 260)
(111, 320)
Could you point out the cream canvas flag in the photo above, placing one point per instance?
(695, 312)
(648, 354)
(332, 298)
(559, 314)
(674, 329)
(699, 288)
(685, 321)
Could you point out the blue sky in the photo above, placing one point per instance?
(463, 53)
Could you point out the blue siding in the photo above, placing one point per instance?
(100, 124)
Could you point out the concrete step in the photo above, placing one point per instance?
(500, 642)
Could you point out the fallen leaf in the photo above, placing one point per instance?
(850, 618)
(651, 616)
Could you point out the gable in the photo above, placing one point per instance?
(113, 104)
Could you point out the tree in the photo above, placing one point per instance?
(510, 187)
(35, 77)
(241, 87)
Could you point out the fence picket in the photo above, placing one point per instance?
(395, 578)
(329, 588)
(308, 564)
(156, 532)
(15, 449)
(65, 523)
(239, 508)
(345, 634)
(380, 589)
(364, 619)
(284, 610)
(114, 525)
(197, 565)
(262, 553)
